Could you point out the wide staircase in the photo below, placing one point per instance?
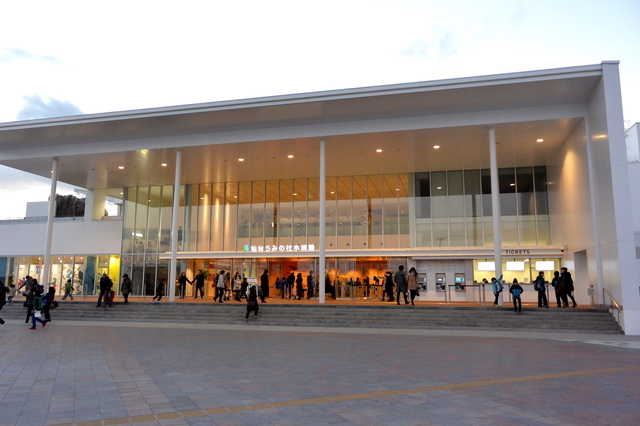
(392, 317)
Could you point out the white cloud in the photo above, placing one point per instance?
(36, 107)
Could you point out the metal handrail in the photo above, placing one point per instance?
(613, 305)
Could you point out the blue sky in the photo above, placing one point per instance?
(73, 57)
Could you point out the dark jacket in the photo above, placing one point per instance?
(199, 280)
(516, 290)
(105, 283)
(567, 281)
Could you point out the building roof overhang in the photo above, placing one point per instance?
(402, 119)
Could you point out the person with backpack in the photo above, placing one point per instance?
(497, 287)
(252, 303)
(558, 288)
(34, 301)
(516, 291)
(540, 286)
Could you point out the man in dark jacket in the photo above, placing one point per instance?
(567, 282)
(105, 286)
(199, 280)
(264, 286)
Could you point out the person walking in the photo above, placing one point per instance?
(47, 303)
(264, 286)
(567, 281)
(125, 287)
(159, 292)
(412, 283)
(558, 289)
(497, 287)
(311, 285)
(400, 280)
(199, 280)
(105, 286)
(541, 288)
(244, 286)
(516, 291)
(252, 303)
(3, 300)
(36, 308)
(68, 290)
(388, 286)
(182, 284)
(220, 287)
(13, 292)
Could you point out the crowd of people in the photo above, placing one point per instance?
(562, 284)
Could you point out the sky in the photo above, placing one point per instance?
(82, 57)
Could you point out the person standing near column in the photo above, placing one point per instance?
(541, 288)
(311, 285)
(568, 286)
(400, 279)
(497, 287)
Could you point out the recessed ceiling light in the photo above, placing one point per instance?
(121, 167)
(333, 192)
(378, 150)
(436, 147)
(240, 159)
(512, 184)
(439, 187)
(295, 193)
(289, 156)
(164, 164)
(539, 140)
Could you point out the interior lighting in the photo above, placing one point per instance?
(378, 150)
(436, 147)
(121, 167)
(512, 184)
(240, 159)
(289, 156)
(164, 164)
(539, 140)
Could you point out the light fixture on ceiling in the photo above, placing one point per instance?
(240, 159)
(121, 167)
(436, 147)
(164, 164)
(512, 184)
(539, 140)
(289, 156)
(378, 150)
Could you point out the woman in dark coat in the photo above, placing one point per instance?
(48, 301)
(388, 286)
(299, 288)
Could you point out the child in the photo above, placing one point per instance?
(37, 306)
(12, 292)
(516, 290)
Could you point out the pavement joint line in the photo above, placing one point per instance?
(349, 397)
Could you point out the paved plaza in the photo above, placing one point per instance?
(82, 373)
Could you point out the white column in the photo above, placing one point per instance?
(173, 265)
(46, 268)
(322, 214)
(495, 205)
(595, 226)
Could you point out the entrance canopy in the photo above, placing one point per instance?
(404, 121)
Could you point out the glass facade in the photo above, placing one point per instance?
(453, 208)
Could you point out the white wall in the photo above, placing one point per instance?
(77, 237)
(570, 209)
(613, 195)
